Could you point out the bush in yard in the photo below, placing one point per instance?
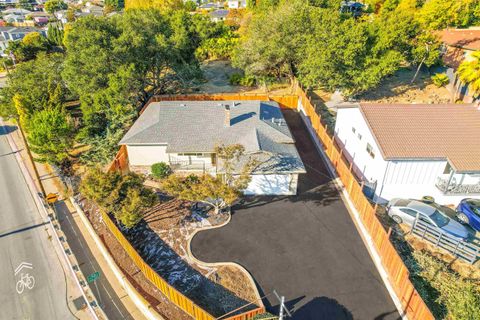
(124, 196)
(161, 170)
(440, 79)
(454, 297)
(237, 79)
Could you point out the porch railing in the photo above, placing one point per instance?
(447, 187)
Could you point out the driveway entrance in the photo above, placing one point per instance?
(306, 247)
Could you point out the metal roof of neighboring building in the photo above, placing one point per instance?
(427, 131)
(199, 126)
(461, 38)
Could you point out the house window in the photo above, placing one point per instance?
(189, 154)
(370, 150)
(448, 169)
(354, 130)
(359, 136)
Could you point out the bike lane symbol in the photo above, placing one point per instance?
(26, 280)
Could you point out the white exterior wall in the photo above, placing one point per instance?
(372, 169)
(146, 155)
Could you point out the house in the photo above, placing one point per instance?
(218, 15)
(458, 45)
(8, 34)
(236, 4)
(184, 134)
(411, 151)
(211, 6)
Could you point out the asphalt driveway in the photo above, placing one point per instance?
(305, 247)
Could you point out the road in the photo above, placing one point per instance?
(38, 290)
(106, 296)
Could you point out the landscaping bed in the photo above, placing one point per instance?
(162, 239)
(450, 287)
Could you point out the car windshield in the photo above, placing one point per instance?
(475, 206)
(439, 218)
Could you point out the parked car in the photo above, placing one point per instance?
(468, 212)
(406, 210)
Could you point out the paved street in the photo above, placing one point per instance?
(106, 296)
(38, 290)
(306, 247)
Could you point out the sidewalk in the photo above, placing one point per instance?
(53, 184)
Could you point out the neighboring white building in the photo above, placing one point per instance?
(184, 135)
(411, 151)
(237, 4)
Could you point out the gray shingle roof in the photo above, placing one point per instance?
(199, 126)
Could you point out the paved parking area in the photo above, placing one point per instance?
(306, 247)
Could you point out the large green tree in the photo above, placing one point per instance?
(469, 72)
(39, 84)
(50, 134)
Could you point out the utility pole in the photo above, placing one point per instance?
(282, 303)
(37, 175)
(283, 308)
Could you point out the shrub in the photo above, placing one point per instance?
(161, 170)
(440, 79)
(237, 79)
(124, 196)
(455, 297)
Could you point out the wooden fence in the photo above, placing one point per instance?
(170, 292)
(120, 163)
(413, 305)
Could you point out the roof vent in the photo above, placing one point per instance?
(183, 104)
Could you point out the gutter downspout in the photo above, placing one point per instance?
(383, 181)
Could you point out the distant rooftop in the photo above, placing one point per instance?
(461, 38)
(426, 131)
(200, 126)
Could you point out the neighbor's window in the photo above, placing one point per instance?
(448, 169)
(354, 130)
(359, 136)
(370, 150)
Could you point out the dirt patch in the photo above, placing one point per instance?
(162, 241)
(398, 89)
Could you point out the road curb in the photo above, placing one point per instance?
(146, 309)
(367, 239)
(217, 264)
(85, 289)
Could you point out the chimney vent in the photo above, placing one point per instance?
(227, 115)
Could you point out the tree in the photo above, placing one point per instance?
(233, 173)
(221, 191)
(162, 5)
(50, 135)
(37, 82)
(440, 14)
(469, 72)
(426, 51)
(31, 45)
(55, 35)
(190, 6)
(123, 196)
(25, 4)
(206, 189)
(52, 6)
(274, 35)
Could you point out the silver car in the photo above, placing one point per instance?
(406, 210)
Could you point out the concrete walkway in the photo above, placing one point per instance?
(305, 247)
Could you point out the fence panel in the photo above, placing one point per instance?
(412, 303)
